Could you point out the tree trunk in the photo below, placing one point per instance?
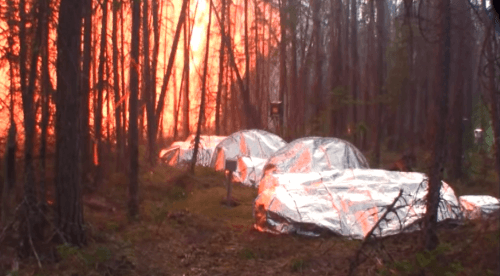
(354, 69)
(116, 88)
(380, 81)
(100, 88)
(221, 68)
(247, 53)
(122, 73)
(282, 58)
(318, 62)
(185, 105)
(296, 105)
(203, 92)
(133, 139)
(146, 85)
(46, 89)
(439, 148)
(154, 68)
(69, 208)
(31, 215)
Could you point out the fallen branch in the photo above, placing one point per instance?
(355, 263)
(32, 245)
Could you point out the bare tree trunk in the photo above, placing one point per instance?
(147, 94)
(371, 73)
(86, 150)
(257, 82)
(296, 122)
(46, 89)
(185, 105)
(154, 68)
(282, 58)
(133, 139)
(318, 61)
(69, 215)
(177, 106)
(116, 88)
(247, 53)
(122, 73)
(31, 217)
(441, 86)
(203, 92)
(221, 68)
(100, 88)
(354, 69)
(377, 130)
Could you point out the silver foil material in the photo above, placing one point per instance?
(180, 153)
(479, 206)
(315, 154)
(250, 148)
(345, 202)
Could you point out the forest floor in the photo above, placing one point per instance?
(185, 230)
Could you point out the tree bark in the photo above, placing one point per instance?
(69, 214)
(354, 69)
(377, 130)
(133, 138)
(439, 148)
